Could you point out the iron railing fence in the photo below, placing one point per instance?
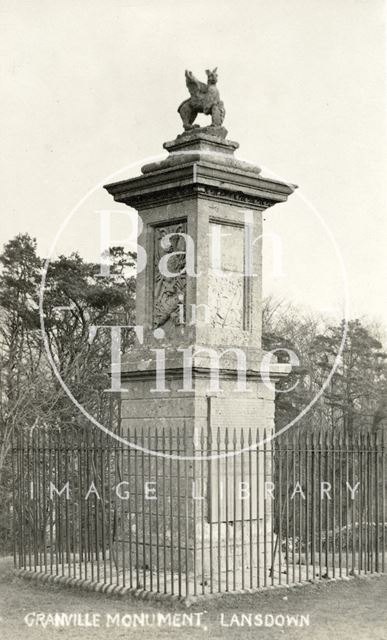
(224, 514)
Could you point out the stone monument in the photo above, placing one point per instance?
(201, 210)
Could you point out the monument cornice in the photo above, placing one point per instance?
(203, 179)
(274, 374)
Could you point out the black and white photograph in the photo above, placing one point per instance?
(193, 319)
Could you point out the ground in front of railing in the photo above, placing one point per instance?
(187, 589)
(353, 609)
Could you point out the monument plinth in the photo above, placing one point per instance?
(201, 210)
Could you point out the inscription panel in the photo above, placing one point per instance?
(226, 287)
(238, 416)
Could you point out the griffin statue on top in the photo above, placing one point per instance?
(204, 99)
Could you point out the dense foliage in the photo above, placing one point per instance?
(75, 298)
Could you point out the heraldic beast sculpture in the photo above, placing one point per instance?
(204, 99)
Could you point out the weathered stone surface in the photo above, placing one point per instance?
(169, 293)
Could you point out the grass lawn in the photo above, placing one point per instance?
(355, 610)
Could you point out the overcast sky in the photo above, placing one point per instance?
(91, 87)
